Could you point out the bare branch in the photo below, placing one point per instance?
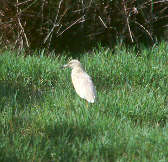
(59, 6)
(127, 21)
(102, 22)
(144, 30)
(22, 29)
(42, 11)
(75, 22)
(55, 24)
(90, 3)
(21, 3)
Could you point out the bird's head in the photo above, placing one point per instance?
(73, 64)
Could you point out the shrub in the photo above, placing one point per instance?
(66, 23)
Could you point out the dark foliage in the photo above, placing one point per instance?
(67, 24)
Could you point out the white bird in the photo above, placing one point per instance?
(82, 82)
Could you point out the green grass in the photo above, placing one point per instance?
(43, 119)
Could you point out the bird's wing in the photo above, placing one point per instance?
(84, 86)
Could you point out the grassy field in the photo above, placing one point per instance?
(43, 120)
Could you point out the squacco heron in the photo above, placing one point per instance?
(82, 82)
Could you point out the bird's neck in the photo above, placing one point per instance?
(77, 70)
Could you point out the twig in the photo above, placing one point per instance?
(83, 7)
(59, 28)
(149, 3)
(23, 32)
(102, 22)
(127, 20)
(90, 3)
(22, 29)
(55, 24)
(21, 3)
(46, 38)
(83, 13)
(27, 7)
(144, 29)
(17, 40)
(75, 22)
(162, 1)
(59, 6)
(42, 11)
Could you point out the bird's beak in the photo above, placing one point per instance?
(64, 66)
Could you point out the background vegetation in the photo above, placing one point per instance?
(67, 24)
(42, 118)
